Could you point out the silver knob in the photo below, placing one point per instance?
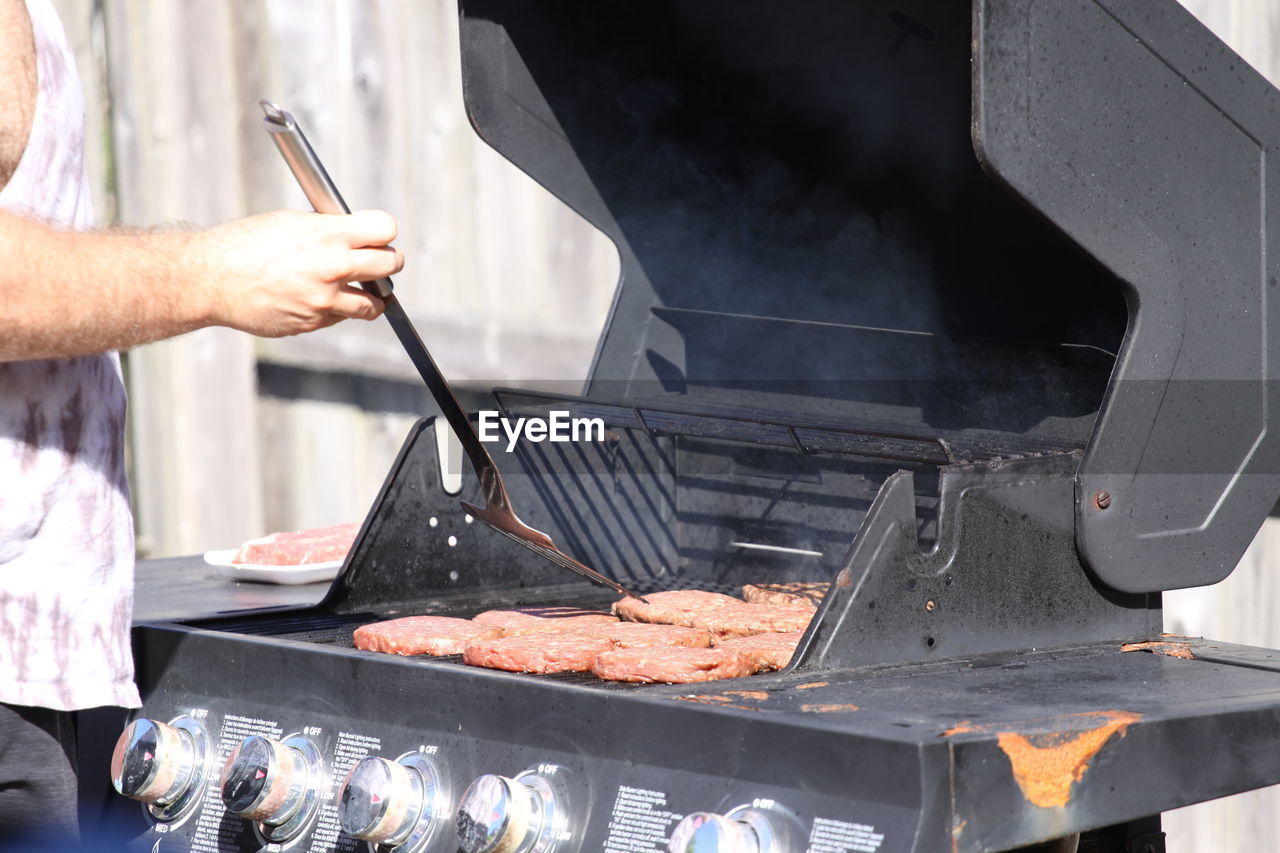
(746, 829)
(704, 832)
(265, 780)
(497, 815)
(380, 801)
(392, 802)
(526, 814)
(155, 762)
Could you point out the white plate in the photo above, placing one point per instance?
(309, 573)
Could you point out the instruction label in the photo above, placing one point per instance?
(212, 834)
(838, 836)
(640, 821)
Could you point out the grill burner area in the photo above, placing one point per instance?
(336, 630)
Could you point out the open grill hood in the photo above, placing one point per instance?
(1009, 227)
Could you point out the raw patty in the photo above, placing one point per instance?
(539, 620)
(422, 635)
(672, 665)
(640, 635)
(742, 620)
(800, 592)
(299, 547)
(569, 651)
(770, 651)
(676, 607)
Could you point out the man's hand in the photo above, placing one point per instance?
(288, 272)
(65, 294)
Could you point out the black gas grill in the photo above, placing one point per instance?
(962, 310)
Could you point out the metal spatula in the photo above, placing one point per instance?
(496, 512)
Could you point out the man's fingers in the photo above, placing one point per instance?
(329, 320)
(368, 264)
(368, 228)
(353, 302)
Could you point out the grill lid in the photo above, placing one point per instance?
(806, 232)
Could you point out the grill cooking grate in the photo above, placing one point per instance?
(323, 628)
(309, 626)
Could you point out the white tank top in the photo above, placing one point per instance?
(66, 532)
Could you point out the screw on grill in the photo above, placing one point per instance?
(1102, 499)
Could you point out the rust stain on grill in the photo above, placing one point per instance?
(717, 701)
(827, 708)
(748, 694)
(1161, 647)
(1046, 762)
(957, 828)
(810, 685)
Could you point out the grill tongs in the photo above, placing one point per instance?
(497, 512)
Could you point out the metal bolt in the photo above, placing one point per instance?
(1102, 499)
(930, 605)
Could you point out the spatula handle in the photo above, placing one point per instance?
(309, 171)
(325, 198)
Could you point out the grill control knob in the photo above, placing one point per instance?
(704, 832)
(392, 802)
(161, 764)
(526, 814)
(746, 829)
(274, 783)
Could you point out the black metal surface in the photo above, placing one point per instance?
(1139, 836)
(615, 514)
(187, 587)
(1148, 142)
(1003, 574)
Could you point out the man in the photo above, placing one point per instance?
(69, 297)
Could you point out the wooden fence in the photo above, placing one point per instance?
(231, 436)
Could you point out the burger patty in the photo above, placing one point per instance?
(675, 607)
(640, 635)
(422, 635)
(538, 620)
(672, 665)
(742, 620)
(769, 651)
(566, 651)
(298, 547)
(799, 593)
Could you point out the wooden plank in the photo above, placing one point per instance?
(176, 158)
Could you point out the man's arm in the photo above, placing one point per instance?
(66, 294)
